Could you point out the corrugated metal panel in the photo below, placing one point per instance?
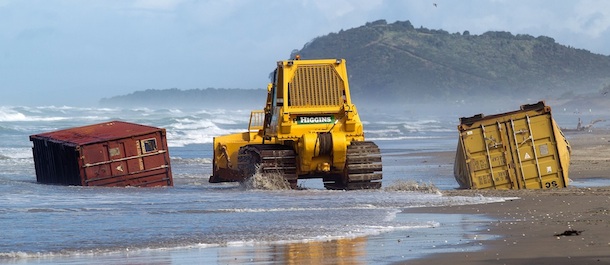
(106, 154)
(56, 162)
(315, 85)
(516, 150)
(98, 132)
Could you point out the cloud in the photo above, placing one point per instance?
(160, 5)
(333, 9)
(36, 33)
(120, 46)
(591, 18)
(340, 9)
(220, 12)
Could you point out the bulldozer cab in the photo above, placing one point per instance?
(306, 92)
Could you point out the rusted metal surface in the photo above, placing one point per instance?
(106, 154)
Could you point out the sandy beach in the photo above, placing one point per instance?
(561, 226)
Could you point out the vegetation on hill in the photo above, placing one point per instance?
(400, 62)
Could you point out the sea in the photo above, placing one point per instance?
(197, 222)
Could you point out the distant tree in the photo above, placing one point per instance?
(423, 30)
(499, 34)
(546, 39)
(377, 23)
(406, 24)
(466, 33)
(606, 90)
(524, 37)
(440, 31)
(294, 53)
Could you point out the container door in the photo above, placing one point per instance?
(535, 152)
(95, 163)
(488, 161)
(153, 162)
(117, 154)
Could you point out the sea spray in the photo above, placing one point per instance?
(401, 185)
(266, 181)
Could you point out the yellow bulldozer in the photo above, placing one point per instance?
(309, 128)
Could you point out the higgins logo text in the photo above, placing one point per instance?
(315, 120)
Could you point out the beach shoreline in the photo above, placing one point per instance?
(559, 226)
(199, 223)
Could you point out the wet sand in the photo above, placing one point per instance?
(532, 229)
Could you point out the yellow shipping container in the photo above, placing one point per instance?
(523, 149)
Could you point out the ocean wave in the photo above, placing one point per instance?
(211, 240)
(414, 126)
(16, 255)
(112, 253)
(183, 137)
(299, 209)
(386, 131)
(378, 229)
(46, 210)
(53, 114)
(427, 129)
(190, 161)
(185, 126)
(16, 153)
(7, 130)
(11, 115)
(390, 138)
(422, 121)
(64, 210)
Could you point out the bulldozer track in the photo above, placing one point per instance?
(268, 159)
(309, 129)
(363, 168)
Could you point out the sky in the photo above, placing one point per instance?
(73, 52)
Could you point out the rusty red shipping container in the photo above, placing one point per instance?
(114, 153)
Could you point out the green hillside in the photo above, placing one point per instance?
(398, 62)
